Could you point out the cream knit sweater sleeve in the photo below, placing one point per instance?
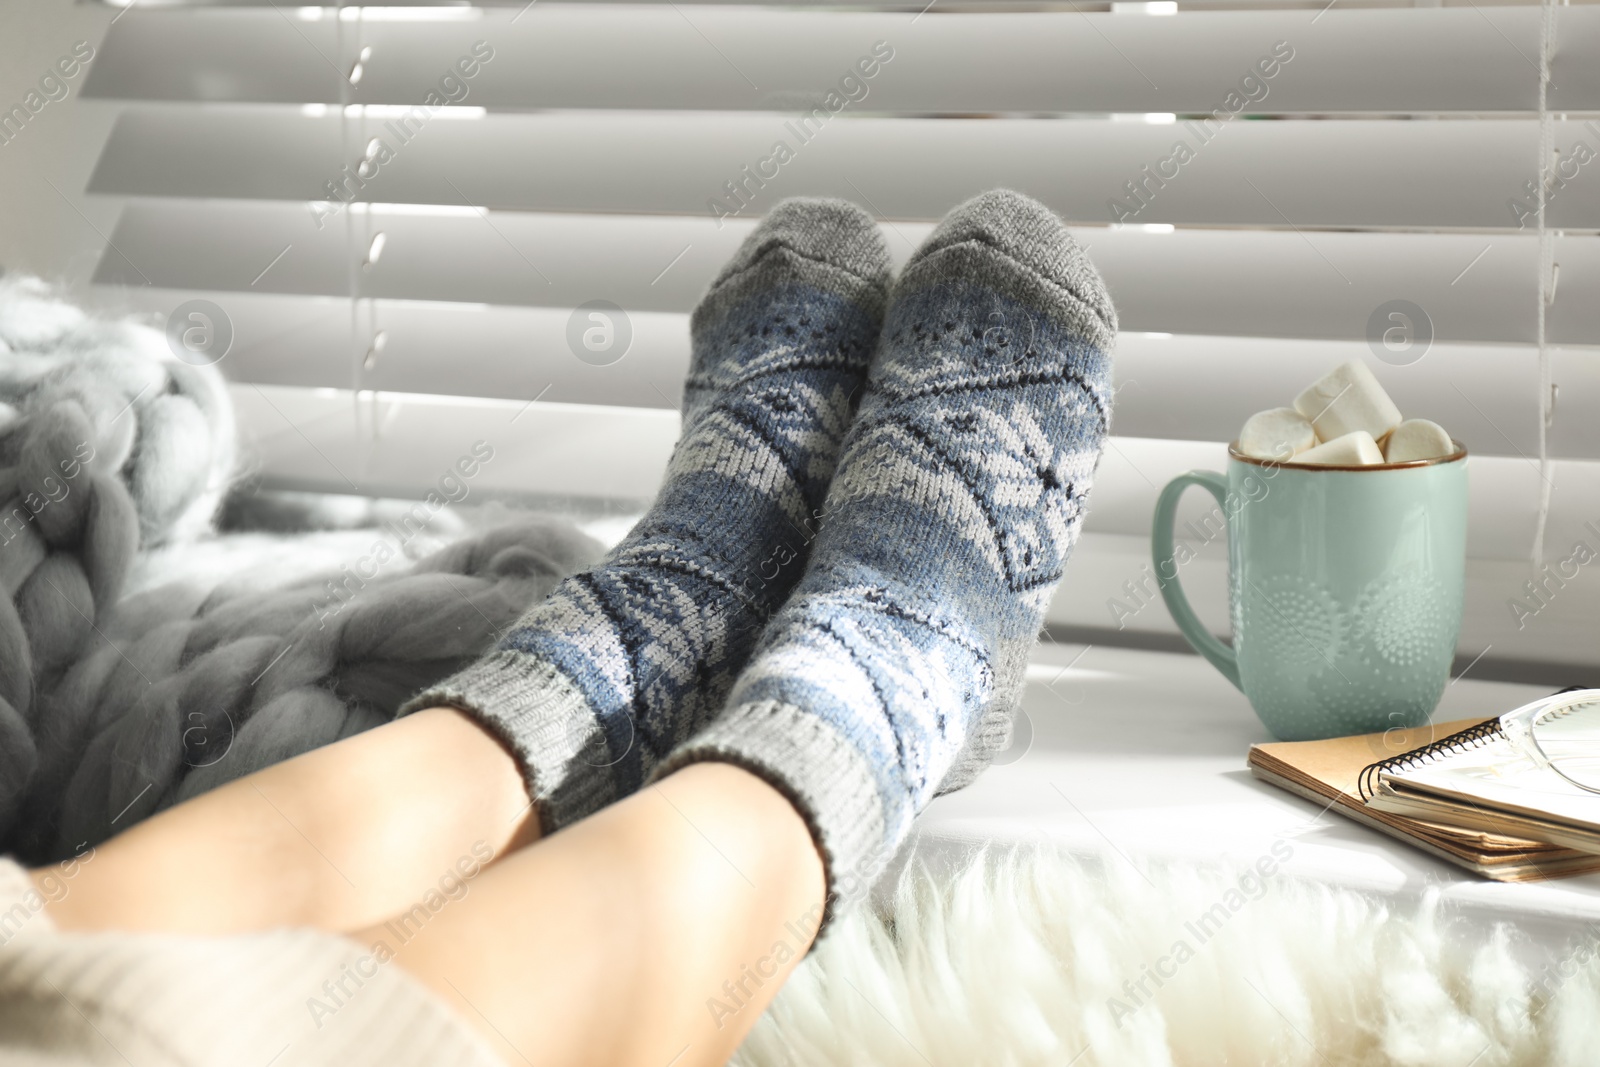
(282, 998)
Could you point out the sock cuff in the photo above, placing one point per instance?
(826, 778)
(544, 721)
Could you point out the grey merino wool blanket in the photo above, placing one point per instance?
(116, 702)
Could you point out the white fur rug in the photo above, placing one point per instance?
(1037, 958)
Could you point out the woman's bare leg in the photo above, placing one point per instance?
(652, 933)
(337, 838)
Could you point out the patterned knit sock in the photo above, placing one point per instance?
(629, 658)
(893, 671)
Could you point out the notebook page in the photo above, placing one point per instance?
(1496, 776)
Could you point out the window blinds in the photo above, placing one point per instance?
(402, 212)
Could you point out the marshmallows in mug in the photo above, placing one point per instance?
(1276, 433)
(1346, 399)
(1354, 449)
(1344, 420)
(1417, 439)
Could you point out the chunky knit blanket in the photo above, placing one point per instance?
(115, 458)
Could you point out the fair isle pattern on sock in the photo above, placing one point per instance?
(631, 657)
(893, 672)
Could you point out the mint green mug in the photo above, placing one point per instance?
(1345, 585)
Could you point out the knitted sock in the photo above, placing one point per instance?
(893, 671)
(629, 658)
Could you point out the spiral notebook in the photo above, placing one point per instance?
(1475, 779)
(1429, 795)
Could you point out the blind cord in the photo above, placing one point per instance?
(1546, 266)
(349, 214)
(358, 236)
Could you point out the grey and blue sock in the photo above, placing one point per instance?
(631, 657)
(893, 672)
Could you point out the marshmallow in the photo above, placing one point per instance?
(1417, 439)
(1356, 449)
(1346, 399)
(1276, 434)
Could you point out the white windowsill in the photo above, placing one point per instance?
(1143, 753)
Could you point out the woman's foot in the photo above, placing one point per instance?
(893, 671)
(634, 655)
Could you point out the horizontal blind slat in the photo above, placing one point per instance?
(325, 440)
(1277, 284)
(1288, 174)
(694, 57)
(1183, 387)
(555, 449)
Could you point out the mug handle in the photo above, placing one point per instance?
(1221, 656)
